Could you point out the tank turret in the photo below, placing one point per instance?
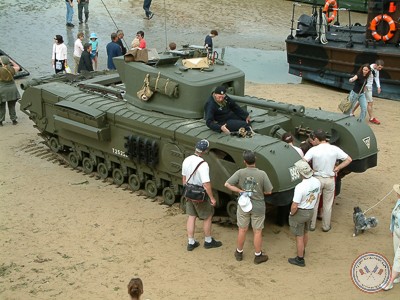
(99, 124)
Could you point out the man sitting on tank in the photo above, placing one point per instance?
(222, 114)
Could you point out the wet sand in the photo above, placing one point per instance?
(66, 235)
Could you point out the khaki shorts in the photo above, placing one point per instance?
(243, 219)
(202, 210)
(300, 222)
(368, 94)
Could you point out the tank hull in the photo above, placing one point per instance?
(97, 124)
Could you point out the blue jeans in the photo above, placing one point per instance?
(146, 7)
(70, 12)
(354, 97)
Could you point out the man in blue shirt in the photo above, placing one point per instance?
(113, 50)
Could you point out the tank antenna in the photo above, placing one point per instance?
(165, 27)
(114, 21)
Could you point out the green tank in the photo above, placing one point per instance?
(98, 122)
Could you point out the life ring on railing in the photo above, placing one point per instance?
(329, 3)
(392, 27)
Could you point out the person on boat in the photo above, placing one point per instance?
(142, 41)
(358, 91)
(374, 76)
(121, 35)
(222, 114)
(8, 89)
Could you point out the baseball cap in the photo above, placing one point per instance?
(221, 90)
(304, 168)
(202, 145)
(245, 202)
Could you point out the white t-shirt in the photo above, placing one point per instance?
(371, 78)
(306, 193)
(60, 52)
(299, 151)
(78, 48)
(202, 173)
(324, 157)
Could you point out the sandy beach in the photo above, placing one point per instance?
(67, 235)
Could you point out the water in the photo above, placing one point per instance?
(254, 31)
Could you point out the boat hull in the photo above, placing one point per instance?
(333, 64)
(354, 5)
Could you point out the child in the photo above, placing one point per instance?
(95, 49)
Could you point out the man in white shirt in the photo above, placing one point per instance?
(306, 196)
(324, 157)
(196, 171)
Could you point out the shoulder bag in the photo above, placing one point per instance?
(345, 105)
(194, 192)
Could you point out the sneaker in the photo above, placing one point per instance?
(388, 287)
(151, 16)
(326, 230)
(15, 122)
(238, 255)
(80, 21)
(191, 247)
(312, 229)
(297, 261)
(351, 115)
(258, 259)
(375, 121)
(212, 244)
(70, 25)
(397, 280)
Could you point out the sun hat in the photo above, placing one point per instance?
(245, 202)
(221, 90)
(93, 36)
(202, 145)
(304, 168)
(396, 188)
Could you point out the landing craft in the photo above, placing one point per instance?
(98, 122)
(321, 49)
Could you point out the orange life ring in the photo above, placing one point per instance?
(392, 27)
(329, 3)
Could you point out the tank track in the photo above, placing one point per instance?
(43, 150)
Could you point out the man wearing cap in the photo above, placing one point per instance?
(222, 114)
(324, 156)
(253, 183)
(306, 195)
(202, 210)
(8, 89)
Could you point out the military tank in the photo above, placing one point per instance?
(99, 123)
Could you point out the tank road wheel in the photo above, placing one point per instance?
(168, 196)
(134, 182)
(102, 170)
(54, 144)
(73, 160)
(118, 176)
(231, 209)
(182, 204)
(151, 188)
(87, 165)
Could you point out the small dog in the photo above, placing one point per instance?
(362, 223)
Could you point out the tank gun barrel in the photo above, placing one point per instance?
(269, 104)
